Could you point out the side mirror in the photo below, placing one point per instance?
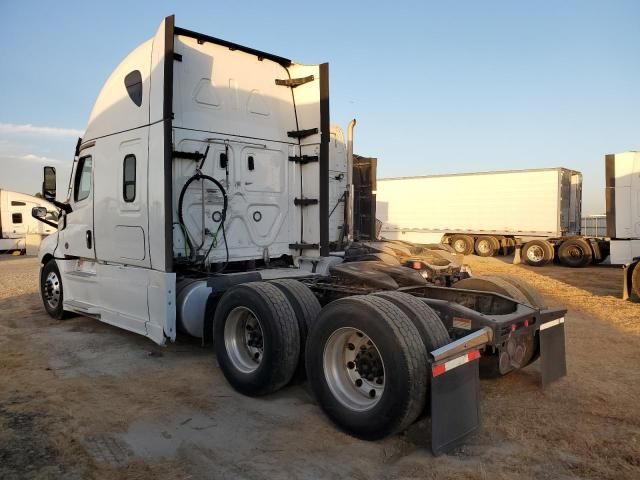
(49, 184)
(39, 212)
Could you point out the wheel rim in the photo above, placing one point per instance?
(535, 253)
(354, 369)
(52, 290)
(244, 340)
(575, 252)
(484, 246)
(460, 246)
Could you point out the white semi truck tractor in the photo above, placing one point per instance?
(209, 196)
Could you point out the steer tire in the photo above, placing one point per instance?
(431, 329)
(486, 246)
(280, 337)
(54, 309)
(575, 253)
(534, 297)
(537, 253)
(462, 244)
(402, 355)
(489, 283)
(307, 307)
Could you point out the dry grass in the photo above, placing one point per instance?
(64, 383)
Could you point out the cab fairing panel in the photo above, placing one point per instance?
(113, 110)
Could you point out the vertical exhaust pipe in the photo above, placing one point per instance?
(349, 203)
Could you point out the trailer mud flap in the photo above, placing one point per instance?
(553, 360)
(455, 401)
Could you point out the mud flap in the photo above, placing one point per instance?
(553, 360)
(455, 405)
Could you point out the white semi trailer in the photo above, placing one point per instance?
(209, 194)
(16, 221)
(489, 212)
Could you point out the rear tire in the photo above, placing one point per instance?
(462, 244)
(257, 338)
(380, 388)
(534, 297)
(575, 253)
(486, 246)
(489, 283)
(431, 329)
(635, 284)
(307, 308)
(537, 253)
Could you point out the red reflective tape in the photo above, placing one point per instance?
(473, 355)
(438, 369)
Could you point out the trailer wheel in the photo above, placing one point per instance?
(493, 284)
(462, 244)
(367, 366)
(257, 338)
(486, 246)
(307, 307)
(51, 290)
(534, 297)
(635, 283)
(431, 329)
(575, 252)
(537, 253)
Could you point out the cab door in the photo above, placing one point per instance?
(77, 234)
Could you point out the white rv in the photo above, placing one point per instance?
(210, 194)
(16, 221)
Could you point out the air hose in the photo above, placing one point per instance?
(200, 176)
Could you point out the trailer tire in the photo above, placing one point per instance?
(537, 253)
(534, 297)
(635, 283)
(575, 253)
(51, 290)
(401, 358)
(486, 246)
(493, 284)
(462, 244)
(306, 307)
(265, 359)
(431, 329)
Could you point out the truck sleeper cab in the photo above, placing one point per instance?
(210, 193)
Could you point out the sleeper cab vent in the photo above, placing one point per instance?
(133, 83)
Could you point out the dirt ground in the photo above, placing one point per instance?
(81, 399)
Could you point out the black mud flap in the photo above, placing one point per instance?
(553, 359)
(455, 406)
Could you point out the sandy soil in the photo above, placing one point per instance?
(80, 399)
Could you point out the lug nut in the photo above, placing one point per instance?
(372, 393)
(359, 382)
(351, 346)
(351, 365)
(379, 380)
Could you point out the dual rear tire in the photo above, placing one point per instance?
(365, 356)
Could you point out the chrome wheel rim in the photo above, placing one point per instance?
(484, 246)
(244, 340)
(535, 253)
(52, 290)
(460, 246)
(354, 369)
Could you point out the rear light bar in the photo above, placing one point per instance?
(440, 368)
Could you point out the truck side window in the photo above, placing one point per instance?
(16, 218)
(82, 184)
(129, 178)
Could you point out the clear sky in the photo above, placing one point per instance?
(437, 87)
